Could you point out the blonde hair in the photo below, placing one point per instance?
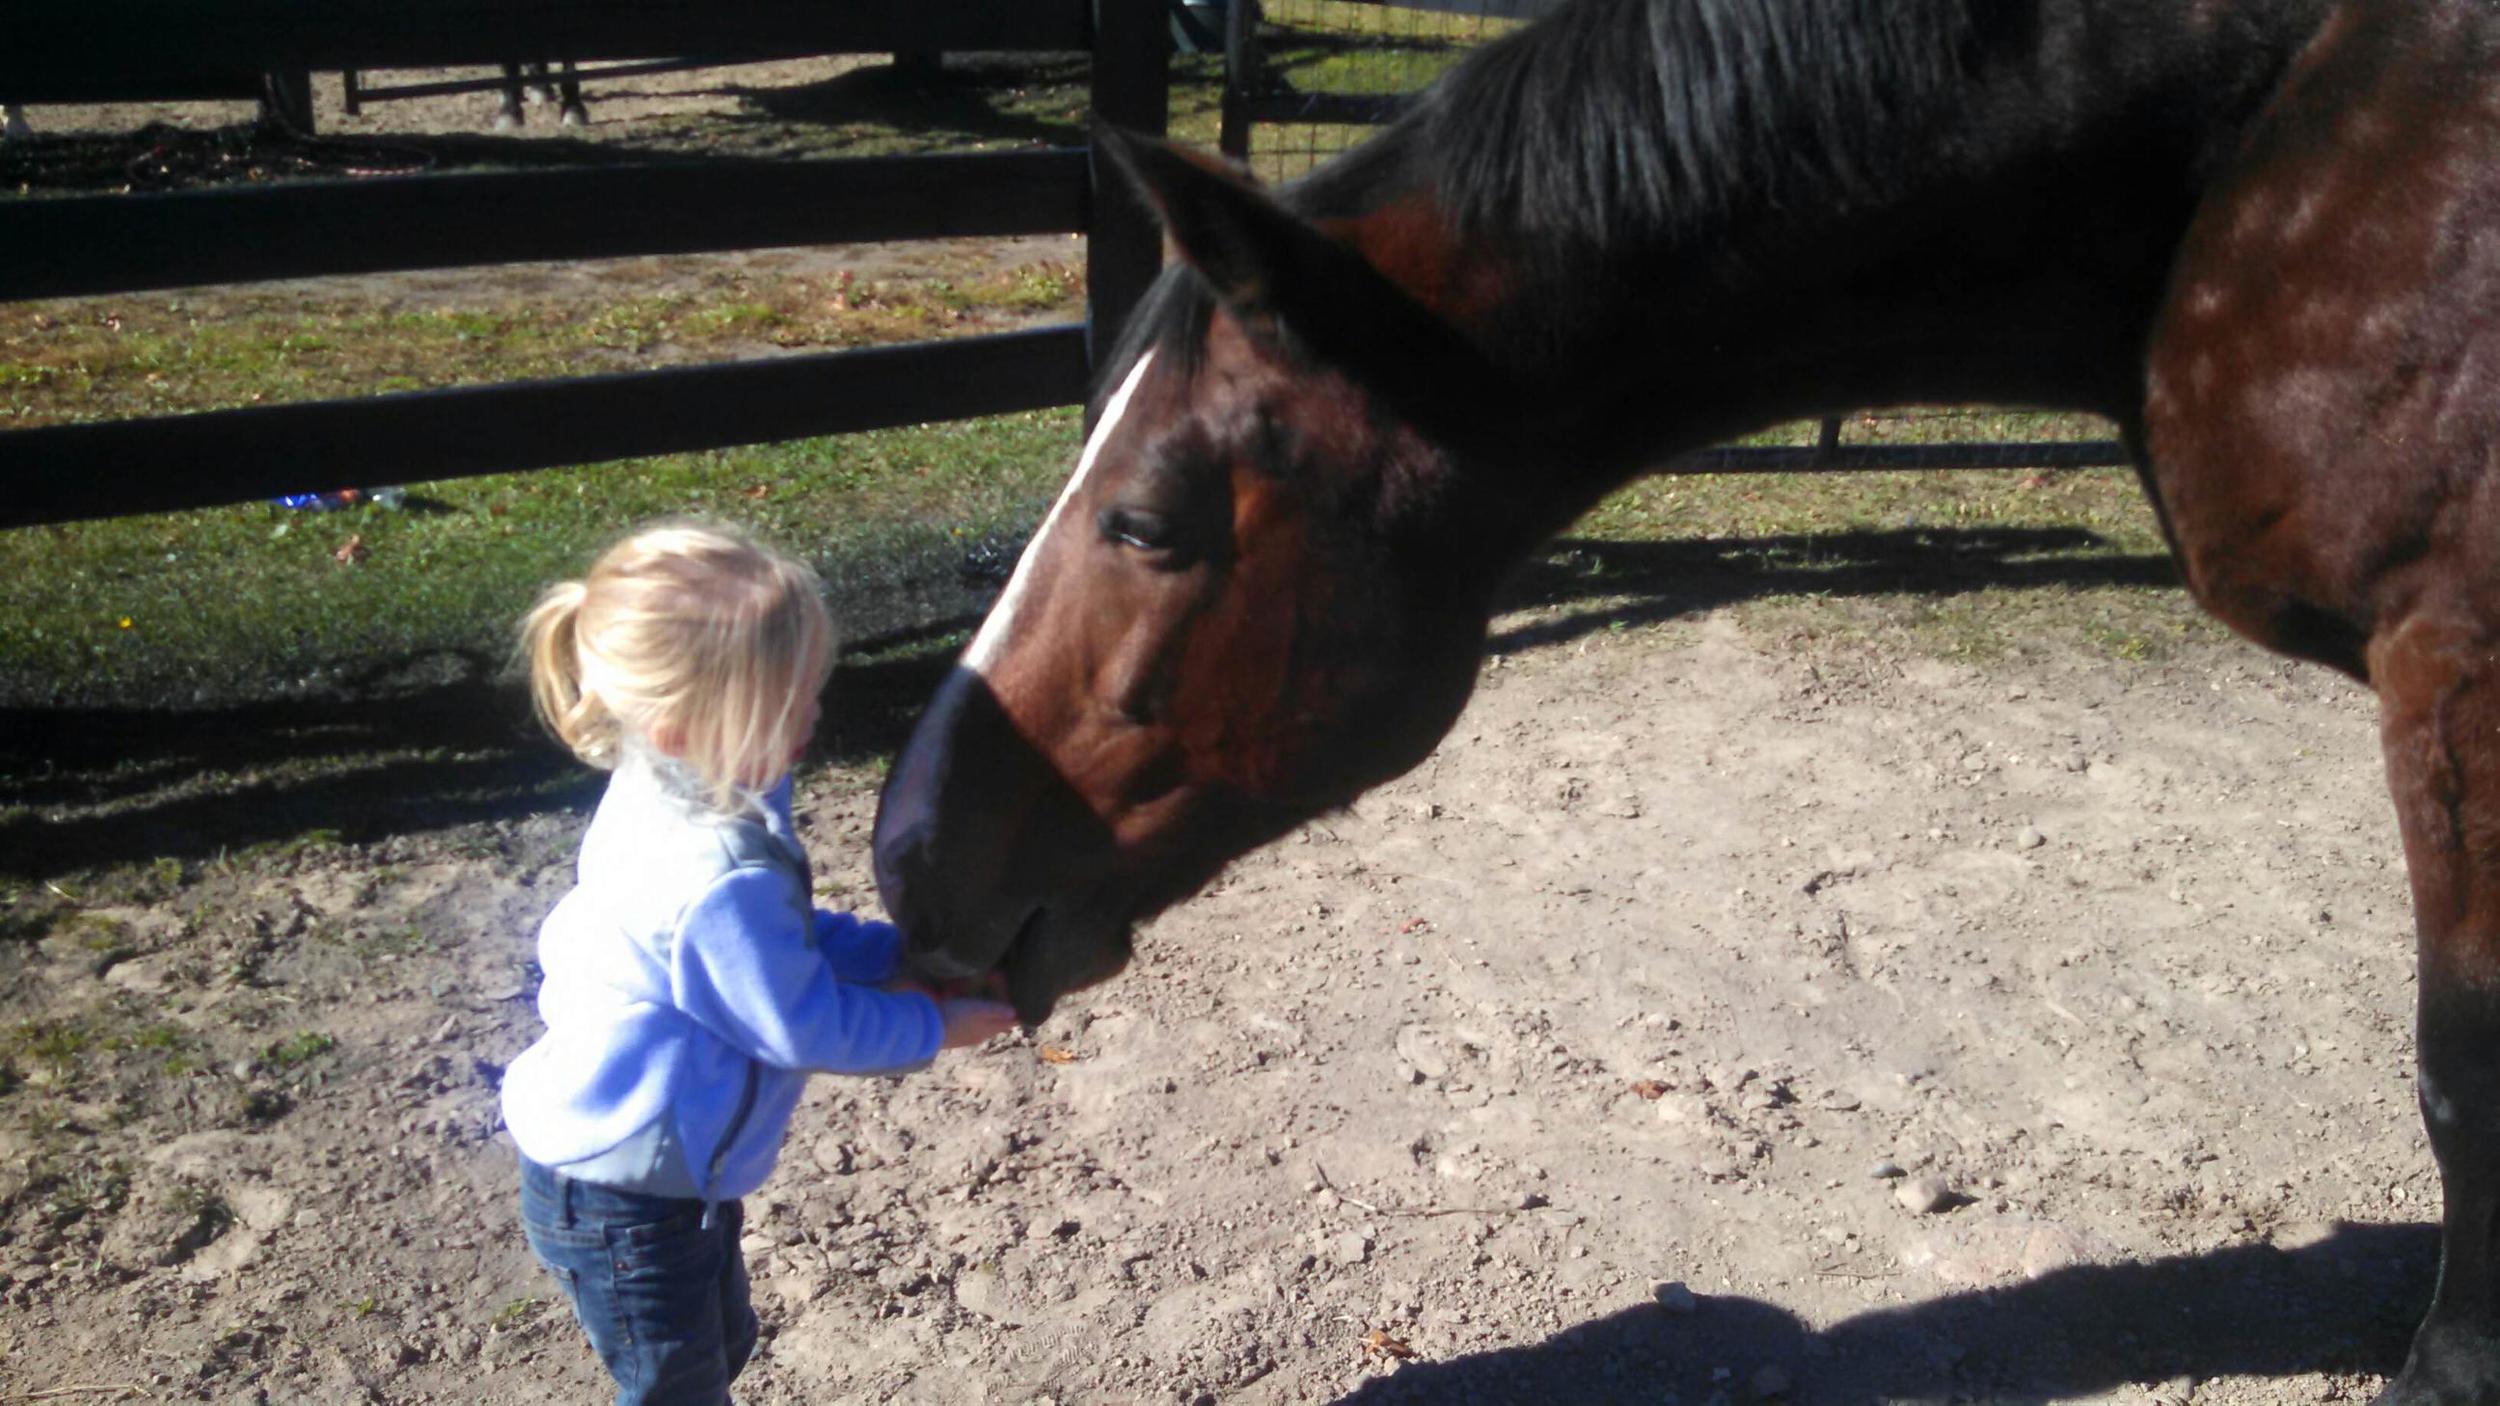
(690, 638)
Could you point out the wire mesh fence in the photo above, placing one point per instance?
(1313, 77)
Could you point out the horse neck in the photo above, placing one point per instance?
(2002, 236)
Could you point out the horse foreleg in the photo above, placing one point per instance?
(508, 110)
(574, 113)
(2438, 681)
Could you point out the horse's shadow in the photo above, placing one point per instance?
(2342, 1305)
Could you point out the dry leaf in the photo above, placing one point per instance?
(1649, 1089)
(1053, 1054)
(1379, 1343)
(759, 491)
(351, 550)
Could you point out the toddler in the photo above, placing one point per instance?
(691, 984)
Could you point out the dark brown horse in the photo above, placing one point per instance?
(2261, 235)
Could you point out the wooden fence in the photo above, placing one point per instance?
(137, 49)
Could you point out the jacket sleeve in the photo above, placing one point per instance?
(745, 968)
(859, 949)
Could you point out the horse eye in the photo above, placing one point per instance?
(1135, 527)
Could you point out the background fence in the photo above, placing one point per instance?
(141, 49)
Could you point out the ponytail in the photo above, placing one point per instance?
(551, 648)
(685, 631)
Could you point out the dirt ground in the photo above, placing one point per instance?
(1719, 1016)
(1601, 1059)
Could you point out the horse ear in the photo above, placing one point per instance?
(1288, 281)
(1215, 217)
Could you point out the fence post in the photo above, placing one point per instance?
(286, 101)
(1132, 89)
(1241, 77)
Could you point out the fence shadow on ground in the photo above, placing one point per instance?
(2344, 1304)
(103, 785)
(969, 100)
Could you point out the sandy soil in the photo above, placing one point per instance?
(1608, 1057)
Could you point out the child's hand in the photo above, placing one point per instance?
(969, 1022)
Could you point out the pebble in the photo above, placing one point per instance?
(1886, 1171)
(1924, 1196)
(2030, 838)
(1674, 1297)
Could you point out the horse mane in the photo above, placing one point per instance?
(1614, 124)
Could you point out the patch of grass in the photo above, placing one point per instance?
(80, 1189)
(515, 1314)
(203, 1214)
(59, 1044)
(300, 1049)
(295, 846)
(101, 359)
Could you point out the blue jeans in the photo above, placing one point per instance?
(663, 1297)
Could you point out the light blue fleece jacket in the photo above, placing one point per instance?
(689, 977)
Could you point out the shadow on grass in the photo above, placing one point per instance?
(961, 99)
(2345, 1304)
(866, 109)
(91, 786)
(87, 786)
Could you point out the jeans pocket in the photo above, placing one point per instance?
(681, 1247)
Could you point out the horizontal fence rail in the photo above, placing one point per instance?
(125, 243)
(158, 49)
(64, 472)
(99, 50)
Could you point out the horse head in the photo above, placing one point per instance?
(1263, 590)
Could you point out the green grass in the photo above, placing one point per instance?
(298, 1050)
(253, 600)
(67, 361)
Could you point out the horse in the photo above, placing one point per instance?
(2261, 236)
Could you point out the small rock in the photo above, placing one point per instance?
(1886, 1171)
(1771, 1382)
(1924, 1196)
(1674, 1297)
(2077, 761)
(1353, 1247)
(2030, 838)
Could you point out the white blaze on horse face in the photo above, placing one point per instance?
(986, 645)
